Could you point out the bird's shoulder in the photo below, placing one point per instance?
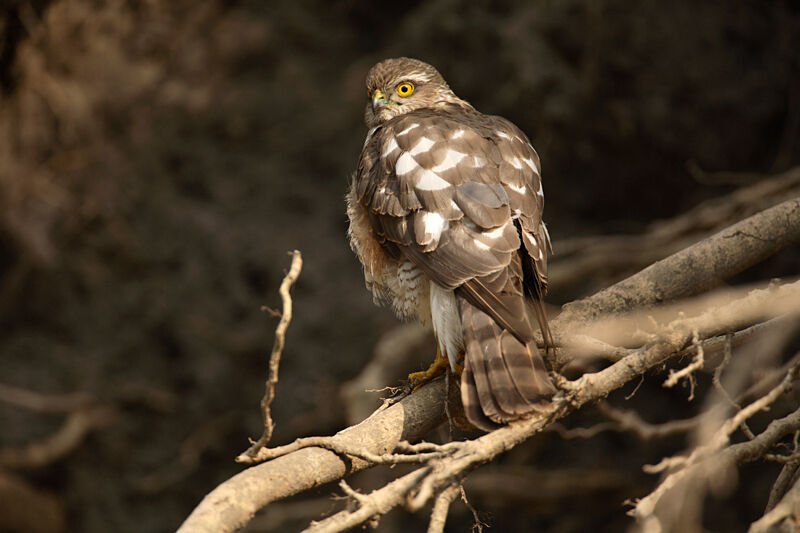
(446, 127)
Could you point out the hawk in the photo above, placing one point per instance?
(445, 213)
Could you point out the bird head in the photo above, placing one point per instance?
(401, 85)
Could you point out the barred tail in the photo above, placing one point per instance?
(503, 378)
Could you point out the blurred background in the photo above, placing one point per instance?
(158, 158)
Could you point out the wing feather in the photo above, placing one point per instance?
(480, 175)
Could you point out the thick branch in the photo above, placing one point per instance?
(787, 507)
(234, 502)
(695, 269)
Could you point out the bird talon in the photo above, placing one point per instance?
(436, 369)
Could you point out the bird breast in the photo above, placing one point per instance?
(399, 284)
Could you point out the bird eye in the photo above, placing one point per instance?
(405, 88)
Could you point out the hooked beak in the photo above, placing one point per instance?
(378, 100)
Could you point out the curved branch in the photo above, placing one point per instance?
(233, 503)
(275, 355)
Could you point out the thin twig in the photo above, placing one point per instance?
(477, 523)
(688, 371)
(784, 482)
(43, 403)
(722, 436)
(419, 453)
(377, 502)
(788, 476)
(732, 455)
(275, 356)
(61, 443)
(628, 420)
(716, 380)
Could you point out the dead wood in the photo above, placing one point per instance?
(690, 271)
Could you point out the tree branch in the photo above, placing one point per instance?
(235, 501)
(442, 473)
(787, 507)
(690, 271)
(579, 258)
(695, 269)
(732, 455)
(275, 355)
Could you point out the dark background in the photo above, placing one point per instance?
(159, 158)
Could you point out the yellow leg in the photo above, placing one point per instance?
(437, 367)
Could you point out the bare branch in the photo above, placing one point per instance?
(448, 470)
(687, 372)
(311, 466)
(440, 508)
(377, 502)
(63, 442)
(712, 457)
(687, 272)
(716, 381)
(477, 523)
(783, 484)
(789, 506)
(234, 502)
(630, 421)
(335, 445)
(577, 258)
(696, 268)
(43, 403)
(275, 356)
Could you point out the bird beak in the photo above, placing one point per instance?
(378, 100)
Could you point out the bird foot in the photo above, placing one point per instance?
(436, 369)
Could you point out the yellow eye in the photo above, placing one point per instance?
(405, 89)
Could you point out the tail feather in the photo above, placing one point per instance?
(530, 380)
(471, 402)
(477, 361)
(503, 378)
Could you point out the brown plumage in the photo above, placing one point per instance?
(445, 215)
